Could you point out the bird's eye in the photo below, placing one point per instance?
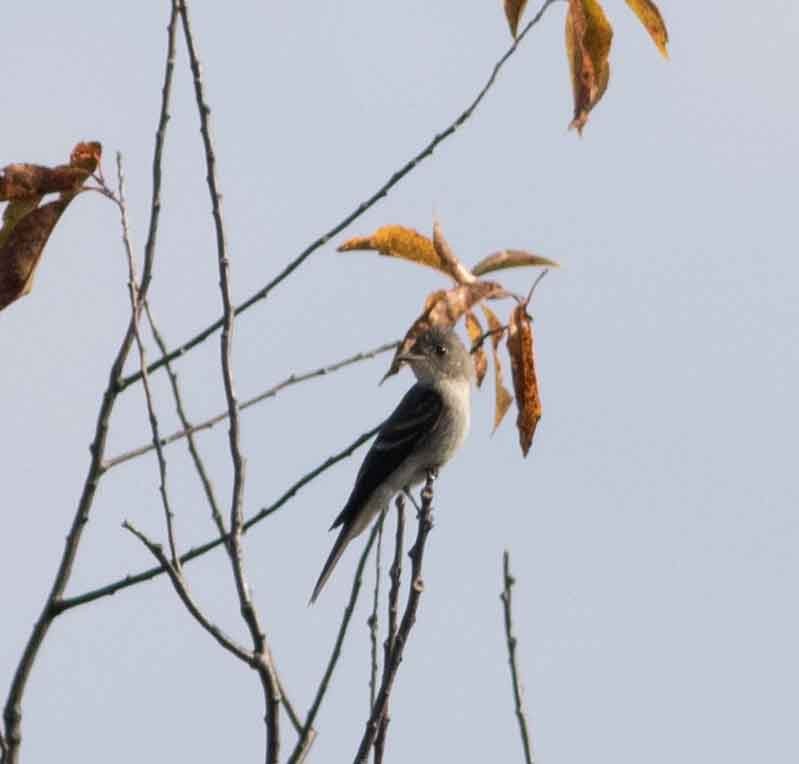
(440, 350)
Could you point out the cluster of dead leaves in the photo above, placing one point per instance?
(26, 224)
(445, 307)
(588, 38)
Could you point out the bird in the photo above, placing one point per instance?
(423, 433)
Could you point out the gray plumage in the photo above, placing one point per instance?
(424, 431)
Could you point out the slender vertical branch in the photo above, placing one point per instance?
(406, 624)
(12, 711)
(265, 667)
(393, 614)
(304, 743)
(507, 606)
(191, 441)
(135, 310)
(372, 621)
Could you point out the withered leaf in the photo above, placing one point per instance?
(513, 12)
(588, 39)
(453, 266)
(398, 241)
(23, 248)
(525, 383)
(649, 15)
(26, 226)
(502, 398)
(444, 309)
(511, 258)
(475, 332)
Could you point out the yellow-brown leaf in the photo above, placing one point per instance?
(398, 241)
(23, 248)
(588, 40)
(444, 309)
(525, 382)
(450, 262)
(511, 258)
(478, 354)
(502, 398)
(513, 12)
(649, 15)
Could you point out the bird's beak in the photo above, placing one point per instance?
(408, 357)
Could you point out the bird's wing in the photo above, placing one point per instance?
(416, 415)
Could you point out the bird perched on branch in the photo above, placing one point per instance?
(423, 433)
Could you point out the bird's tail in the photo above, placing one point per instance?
(343, 539)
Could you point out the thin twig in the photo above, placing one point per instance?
(199, 464)
(408, 619)
(133, 579)
(393, 613)
(179, 583)
(136, 310)
(537, 281)
(12, 712)
(303, 743)
(521, 714)
(381, 192)
(261, 651)
(372, 621)
(293, 379)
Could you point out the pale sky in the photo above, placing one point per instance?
(653, 527)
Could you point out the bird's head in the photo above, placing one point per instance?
(439, 355)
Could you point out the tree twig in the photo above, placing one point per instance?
(303, 744)
(261, 652)
(199, 464)
(12, 712)
(393, 614)
(395, 178)
(372, 621)
(136, 310)
(507, 605)
(133, 579)
(406, 624)
(294, 379)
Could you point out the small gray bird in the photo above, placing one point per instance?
(424, 432)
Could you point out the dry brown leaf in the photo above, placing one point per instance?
(479, 355)
(26, 226)
(649, 15)
(588, 39)
(453, 266)
(23, 248)
(444, 309)
(525, 383)
(511, 258)
(513, 12)
(502, 398)
(398, 241)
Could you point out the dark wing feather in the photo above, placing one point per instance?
(415, 416)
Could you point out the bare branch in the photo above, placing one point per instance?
(293, 379)
(261, 651)
(393, 613)
(135, 309)
(12, 712)
(300, 751)
(408, 620)
(521, 714)
(395, 178)
(107, 590)
(199, 464)
(372, 621)
(182, 589)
